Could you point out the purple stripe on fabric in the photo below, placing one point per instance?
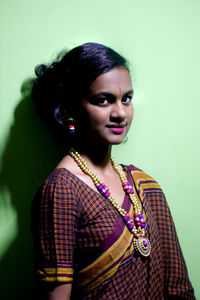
(127, 203)
(146, 190)
(145, 182)
(120, 225)
(148, 180)
(59, 275)
(152, 190)
(114, 236)
(64, 266)
(113, 265)
(133, 168)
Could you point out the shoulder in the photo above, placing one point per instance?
(149, 191)
(60, 184)
(63, 178)
(141, 177)
(59, 176)
(144, 182)
(58, 192)
(63, 184)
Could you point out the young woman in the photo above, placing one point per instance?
(101, 230)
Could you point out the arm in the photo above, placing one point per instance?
(61, 292)
(54, 225)
(177, 283)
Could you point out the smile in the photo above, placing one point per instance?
(117, 128)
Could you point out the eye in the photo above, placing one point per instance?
(127, 99)
(101, 101)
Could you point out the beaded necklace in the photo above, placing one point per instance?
(137, 226)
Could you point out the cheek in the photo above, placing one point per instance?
(96, 122)
(130, 113)
(97, 117)
(91, 121)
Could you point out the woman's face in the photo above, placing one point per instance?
(107, 111)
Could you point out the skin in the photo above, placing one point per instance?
(105, 118)
(108, 106)
(61, 292)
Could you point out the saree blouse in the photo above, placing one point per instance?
(81, 239)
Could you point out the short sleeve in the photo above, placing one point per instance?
(54, 226)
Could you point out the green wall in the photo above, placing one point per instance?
(161, 40)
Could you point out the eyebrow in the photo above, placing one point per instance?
(107, 94)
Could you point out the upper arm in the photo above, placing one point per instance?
(54, 227)
(176, 276)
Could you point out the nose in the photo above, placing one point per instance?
(118, 112)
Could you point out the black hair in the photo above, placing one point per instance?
(60, 86)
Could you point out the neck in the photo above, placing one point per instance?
(97, 153)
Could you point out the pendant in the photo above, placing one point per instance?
(142, 245)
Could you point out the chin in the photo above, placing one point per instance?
(111, 140)
(117, 141)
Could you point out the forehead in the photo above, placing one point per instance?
(112, 81)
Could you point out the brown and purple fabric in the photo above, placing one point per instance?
(81, 239)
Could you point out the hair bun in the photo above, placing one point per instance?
(40, 70)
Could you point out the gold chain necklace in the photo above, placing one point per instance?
(137, 226)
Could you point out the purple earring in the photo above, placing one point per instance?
(71, 127)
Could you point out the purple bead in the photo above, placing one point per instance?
(106, 195)
(145, 243)
(131, 226)
(143, 225)
(125, 218)
(140, 215)
(100, 187)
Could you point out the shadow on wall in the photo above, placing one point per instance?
(30, 155)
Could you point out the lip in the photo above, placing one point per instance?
(117, 128)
